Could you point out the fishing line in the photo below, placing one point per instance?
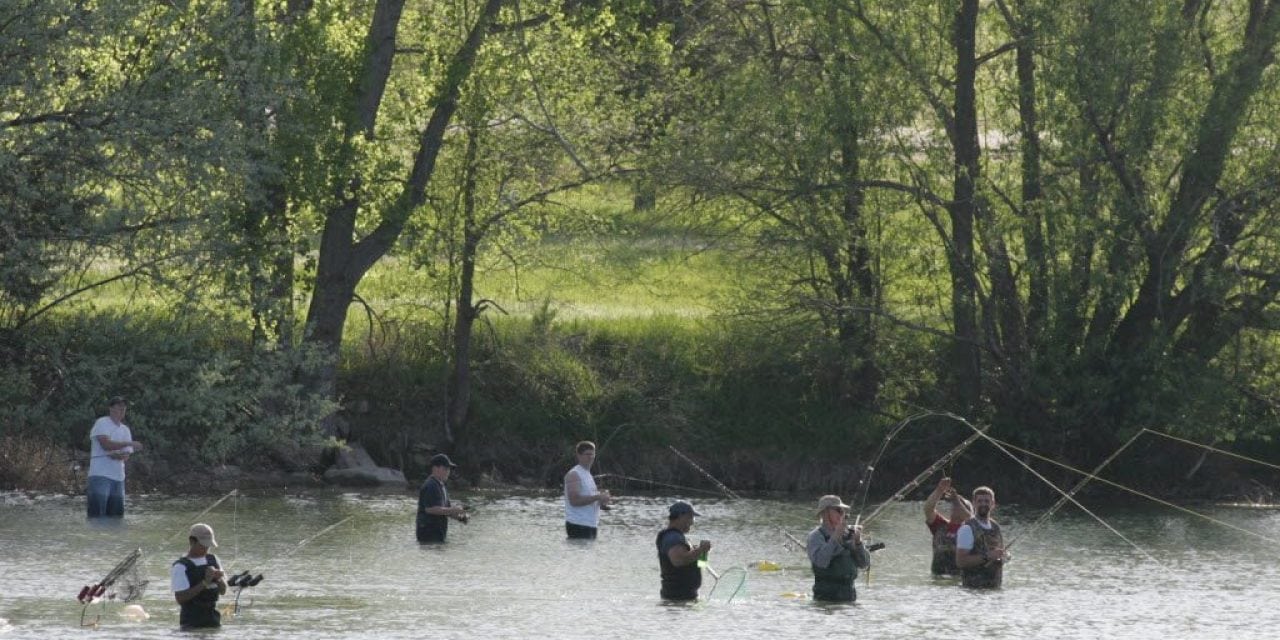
(1139, 493)
(307, 541)
(196, 518)
(1213, 449)
(1044, 517)
(719, 485)
(865, 482)
(924, 475)
(1045, 480)
(659, 484)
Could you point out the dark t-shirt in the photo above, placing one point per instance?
(678, 583)
(432, 528)
(671, 538)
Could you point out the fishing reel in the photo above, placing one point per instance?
(242, 581)
(88, 595)
(246, 579)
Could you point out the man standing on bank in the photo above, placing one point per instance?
(197, 580)
(836, 552)
(980, 545)
(582, 501)
(681, 576)
(110, 443)
(434, 508)
(943, 527)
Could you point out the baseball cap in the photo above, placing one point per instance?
(442, 460)
(203, 534)
(679, 508)
(115, 400)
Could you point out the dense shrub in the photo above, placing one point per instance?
(194, 393)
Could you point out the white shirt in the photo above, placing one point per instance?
(587, 515)
(178, 573)
(964, 536)
(100, 461)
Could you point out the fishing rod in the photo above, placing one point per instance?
(865, 482)
(125, 582)
(243, 581)
(1044, 517)
(106, 589)
(659, 484)
(720, 485)
(1141, 495)
(924, 475)
(1210, 448)
(1000, 445)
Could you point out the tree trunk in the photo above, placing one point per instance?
(343, 260)
(1032, 182)
(460, 380)
(966, 357)
(1147, 319)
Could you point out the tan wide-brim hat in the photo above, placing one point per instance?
(829, 501)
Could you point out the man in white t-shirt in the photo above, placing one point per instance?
(582, 500)
(980, 544)
(110, 444)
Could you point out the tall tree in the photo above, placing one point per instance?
(345, 254)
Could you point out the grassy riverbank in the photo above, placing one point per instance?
(639, 334)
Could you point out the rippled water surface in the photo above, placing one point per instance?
(510, 573)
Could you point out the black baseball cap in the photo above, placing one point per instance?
(442, 460)
(679, 508)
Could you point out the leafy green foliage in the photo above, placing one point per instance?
(192, 388)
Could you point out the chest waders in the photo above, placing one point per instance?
(834, 582)
(944, 553)
(991, 574)
(202, 610)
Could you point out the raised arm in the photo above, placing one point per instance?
(931, 503)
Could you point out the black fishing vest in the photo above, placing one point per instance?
(202, 610)
(678, 583)
(834, 582)
(990, 575)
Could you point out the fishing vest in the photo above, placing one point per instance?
(834, 582)
(991, 574)
(678, 583)
(944, 552)
(202, 610)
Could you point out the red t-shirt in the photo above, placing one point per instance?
(938, 522)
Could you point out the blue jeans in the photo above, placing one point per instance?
(106, 497)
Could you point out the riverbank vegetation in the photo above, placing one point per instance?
(763, 235)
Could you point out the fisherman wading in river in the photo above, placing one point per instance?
(197, 581)
(980, 545)
(943, 524)
(836, 552)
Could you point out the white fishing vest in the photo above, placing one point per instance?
(588, 515)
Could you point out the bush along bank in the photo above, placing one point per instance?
(752, 406)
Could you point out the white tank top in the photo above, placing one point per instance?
(588, 515)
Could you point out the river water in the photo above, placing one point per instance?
(511, 573)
